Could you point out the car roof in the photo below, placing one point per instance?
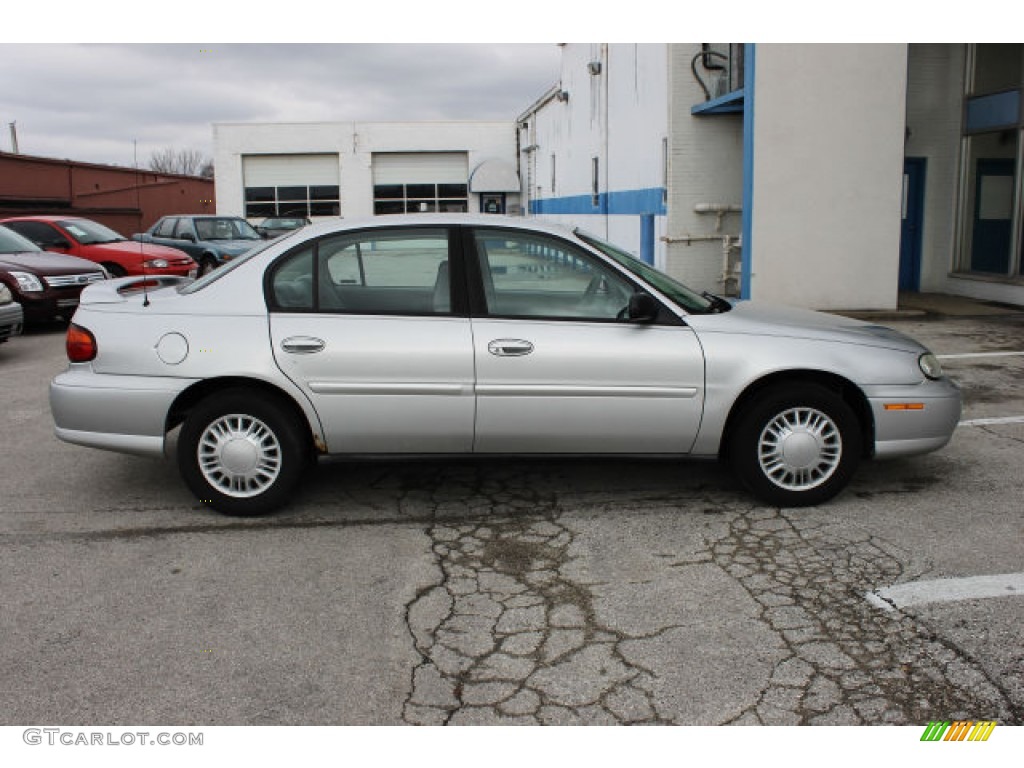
(436, 219)
(201, 216)
(48, 217)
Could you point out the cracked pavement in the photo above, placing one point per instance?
(508, 592)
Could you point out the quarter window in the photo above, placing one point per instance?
(184, 228)
(166, 228)
(539, 277)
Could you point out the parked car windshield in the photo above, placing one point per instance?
(672, 288)
(90, 232)
(225, 229)
(12, 242)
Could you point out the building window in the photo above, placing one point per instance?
(293, 200)
(420, 198)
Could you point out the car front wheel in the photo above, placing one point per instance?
(796, 446)
(241, 453)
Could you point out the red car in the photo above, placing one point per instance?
(93, 241)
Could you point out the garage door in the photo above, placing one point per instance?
(291, 185)
(411, 182)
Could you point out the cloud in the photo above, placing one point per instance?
(102, 103)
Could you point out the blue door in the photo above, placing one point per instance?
(910, 234)
(993, 216)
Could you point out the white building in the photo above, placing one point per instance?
(361, 169)
(847, 172)
(827, 176)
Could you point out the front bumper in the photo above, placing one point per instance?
(914, 419)
(127, 414)
(49, 305)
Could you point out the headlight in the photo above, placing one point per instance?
(156, 263)
(930, 366)
(29, 283)
(5, 294)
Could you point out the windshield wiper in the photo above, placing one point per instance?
(718, 304)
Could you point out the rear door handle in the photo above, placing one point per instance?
(510, 347)
(302, 345)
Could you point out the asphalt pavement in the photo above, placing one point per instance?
(604, 591)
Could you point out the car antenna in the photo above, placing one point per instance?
(138, 207)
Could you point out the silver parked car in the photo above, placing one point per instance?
(455, 334)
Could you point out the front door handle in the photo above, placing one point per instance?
(302, 345)
(510, 347)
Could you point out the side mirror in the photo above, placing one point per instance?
(643, 308)
(187, 236)
(60, 244)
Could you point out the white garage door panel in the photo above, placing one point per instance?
(290, 170)
(420, 168)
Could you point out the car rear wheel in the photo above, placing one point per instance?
(241, 453)
(796, 446)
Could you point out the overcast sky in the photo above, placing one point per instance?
(90, 102)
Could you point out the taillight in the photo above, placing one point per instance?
(81, 344)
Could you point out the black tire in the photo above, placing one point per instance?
(796, 446)
(206, 265)
(115, 270)
(268, 452)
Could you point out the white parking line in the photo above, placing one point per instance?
(996, 420)
(968, 355)
(947, 590)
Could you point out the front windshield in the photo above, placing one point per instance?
(225, 229)
(90, 232)
(12, 242)
(670, 287)
(235, 263)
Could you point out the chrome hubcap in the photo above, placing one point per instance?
(800, 449)
(239, 455)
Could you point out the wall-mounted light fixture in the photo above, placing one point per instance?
(594, 67)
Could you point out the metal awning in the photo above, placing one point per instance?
(494, 176)
(728, 104)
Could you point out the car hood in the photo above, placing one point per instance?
(45, 263)
(234, 247)
(129, 248)
(753, 319)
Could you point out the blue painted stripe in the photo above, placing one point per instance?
(647, 238)
(748, 169)
(999, 110)
(630, 202)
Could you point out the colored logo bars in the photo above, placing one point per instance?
(961, 730)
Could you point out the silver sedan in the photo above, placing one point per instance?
(455, 335)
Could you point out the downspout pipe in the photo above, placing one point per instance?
(746, 272)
